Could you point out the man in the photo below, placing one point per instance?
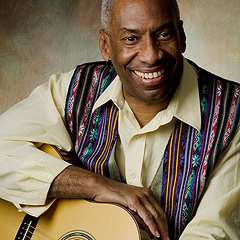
(164, 126)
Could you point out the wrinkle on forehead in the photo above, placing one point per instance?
(141, 12)
(155, 28)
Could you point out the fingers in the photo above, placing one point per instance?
(159, 217)
(142, 224)
(138, 199)
(151, 213)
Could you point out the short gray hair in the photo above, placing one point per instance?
(106, 13)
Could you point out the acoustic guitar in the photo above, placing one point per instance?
(69, 219)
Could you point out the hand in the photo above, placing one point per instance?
(141, 201)
(141, 224)
(75, 182)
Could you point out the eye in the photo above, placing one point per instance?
(166, 35)
(130, 40)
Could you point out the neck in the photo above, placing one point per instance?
(145, 112)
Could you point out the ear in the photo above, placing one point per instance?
(104, 45)
(182, 36)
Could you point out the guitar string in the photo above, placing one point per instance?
(25, 235)
(29, 227)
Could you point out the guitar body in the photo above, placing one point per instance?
(69, 219)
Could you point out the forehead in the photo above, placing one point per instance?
(145, 13)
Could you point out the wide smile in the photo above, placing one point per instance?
(150, 75)
(150, 78)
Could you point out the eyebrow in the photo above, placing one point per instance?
(136, 31)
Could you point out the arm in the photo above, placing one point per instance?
(25, 172)
(75, 182)
(218, 214)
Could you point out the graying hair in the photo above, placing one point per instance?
(106, 13)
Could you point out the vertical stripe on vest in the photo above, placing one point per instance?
(93, 133)
(190, 155)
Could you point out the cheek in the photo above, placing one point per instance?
(124, 55)
(173, 51)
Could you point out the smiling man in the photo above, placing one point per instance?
(161, 133)
(145, 43)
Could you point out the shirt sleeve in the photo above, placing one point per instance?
(26, 173)
(218, 214)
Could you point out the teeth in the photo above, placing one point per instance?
(149, 75)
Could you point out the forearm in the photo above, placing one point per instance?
(75, 182)
(25, 172)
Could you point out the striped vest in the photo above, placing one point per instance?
(190, 155)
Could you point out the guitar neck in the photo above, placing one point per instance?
(27, 228)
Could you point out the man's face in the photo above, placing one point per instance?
(145, 45)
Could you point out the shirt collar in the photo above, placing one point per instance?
(184, 105)
(186, 97)
(113, 92)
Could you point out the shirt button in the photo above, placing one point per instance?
(133, 175)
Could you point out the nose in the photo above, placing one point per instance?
(149, 52)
